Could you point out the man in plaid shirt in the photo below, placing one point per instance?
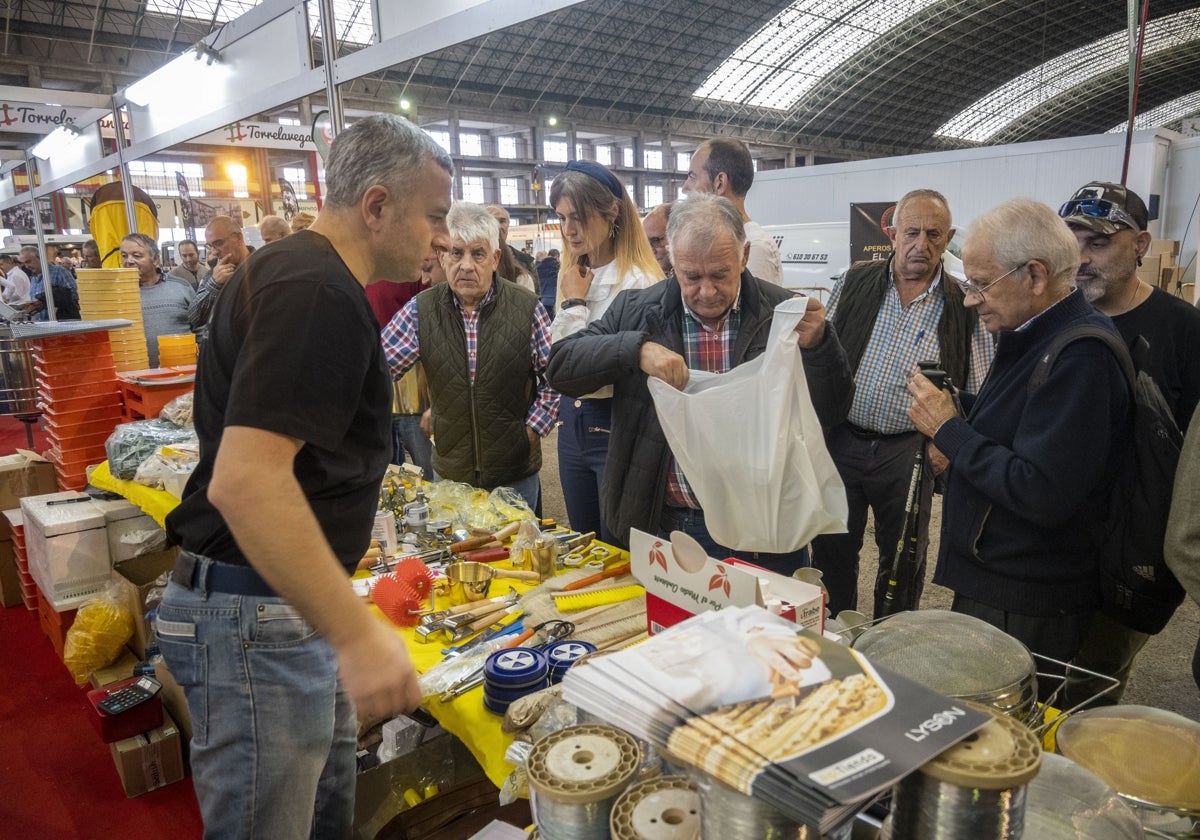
(484, 342)
(711, 315)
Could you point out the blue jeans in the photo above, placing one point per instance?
(408, 437)
(583, 435)
(691, 522)
(273, 734)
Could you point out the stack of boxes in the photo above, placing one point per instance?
(78, 546)
(1159, 266)
(23, 474)
(177, 350)
(79, 399)
(113, 293)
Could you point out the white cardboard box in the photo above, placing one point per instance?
(675, 590)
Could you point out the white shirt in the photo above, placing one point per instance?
(599, 297)
(14, 288)
(765, 262)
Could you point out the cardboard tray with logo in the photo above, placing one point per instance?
(681, 581)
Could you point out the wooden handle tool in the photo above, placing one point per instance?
(615, 571)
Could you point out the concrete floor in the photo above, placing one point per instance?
(1162, 673)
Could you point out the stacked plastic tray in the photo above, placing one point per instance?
(145, 392)
(177, 350)
(113, 293)
(29, 590)
(80, 401)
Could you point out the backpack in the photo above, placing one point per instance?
(1137, 588)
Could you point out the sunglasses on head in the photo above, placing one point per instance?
(1098, 208)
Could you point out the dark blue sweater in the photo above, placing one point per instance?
(1028, 471)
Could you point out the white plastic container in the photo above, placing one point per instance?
(67, 544)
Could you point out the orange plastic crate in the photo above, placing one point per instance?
(154, 388)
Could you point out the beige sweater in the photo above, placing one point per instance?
(1182, 547)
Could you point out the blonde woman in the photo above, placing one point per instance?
(605, 251)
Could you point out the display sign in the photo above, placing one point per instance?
(868, 231)
(259, 135)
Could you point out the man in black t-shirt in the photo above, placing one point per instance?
(1110, 222)
(292, 407)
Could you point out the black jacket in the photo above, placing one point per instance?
(608, 353)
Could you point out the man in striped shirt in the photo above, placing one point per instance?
(889, 315)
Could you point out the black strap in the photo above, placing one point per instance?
(1082, 331)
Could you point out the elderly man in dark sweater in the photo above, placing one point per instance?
(713, 315)
(1028, 467)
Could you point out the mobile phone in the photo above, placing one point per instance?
(132, 695)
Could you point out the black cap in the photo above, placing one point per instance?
(1093, 204)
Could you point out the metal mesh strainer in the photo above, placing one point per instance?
(957, 655)
(1067, 802)
(1151, 757)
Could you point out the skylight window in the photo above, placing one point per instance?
(352, 18)
(1168, 112)
(1016, 98)
(801, 45)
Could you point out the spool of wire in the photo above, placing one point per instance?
(666, 808)
(575, 777)
(726, 814)
(974, 789)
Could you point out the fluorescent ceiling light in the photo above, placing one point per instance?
(1008, 103)
(56, 141)
(799, 47)
(1168, 112)
(200, 65)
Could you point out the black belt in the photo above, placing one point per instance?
(871, 434)
(191, 573)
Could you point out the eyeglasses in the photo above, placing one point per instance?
(970, 287)
(1098, 208)
(477, 255)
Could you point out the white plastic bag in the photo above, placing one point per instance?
(752, 449)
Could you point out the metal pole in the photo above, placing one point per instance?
(1134, 81)
(329, 51)
(126, 185)
(47, 286)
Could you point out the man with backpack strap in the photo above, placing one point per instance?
(1028, 466)
(1109, 222)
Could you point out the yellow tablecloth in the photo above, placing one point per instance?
(464, 717)
(156, 503)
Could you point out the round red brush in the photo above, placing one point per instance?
(416, 574)
(397, 600)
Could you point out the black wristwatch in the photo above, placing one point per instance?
(571, 302)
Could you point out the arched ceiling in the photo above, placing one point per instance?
(638, 63)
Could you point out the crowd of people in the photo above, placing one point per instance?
(402, 325)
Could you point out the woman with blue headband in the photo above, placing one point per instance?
(605, 251)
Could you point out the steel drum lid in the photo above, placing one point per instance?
(955, 654)
(1067, 802)
(1151, 757)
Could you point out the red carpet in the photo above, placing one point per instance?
(57, 778)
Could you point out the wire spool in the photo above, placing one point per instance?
(1068, 802)
(956, 655)
(575, 776)
(564, 654)
(666, 808)
(726, 814)
(975, 789)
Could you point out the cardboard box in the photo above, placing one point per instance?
(1170, 247)
(676, 590)
(121, 669)
(136, 578)
(150, 760)
(173, 698)
(130, 531)
(10, 581)
(1150, 269)
(24, 474)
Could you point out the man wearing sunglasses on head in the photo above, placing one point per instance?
(1028, 465)
(1109, 222)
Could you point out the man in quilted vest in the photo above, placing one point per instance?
(484, 343)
